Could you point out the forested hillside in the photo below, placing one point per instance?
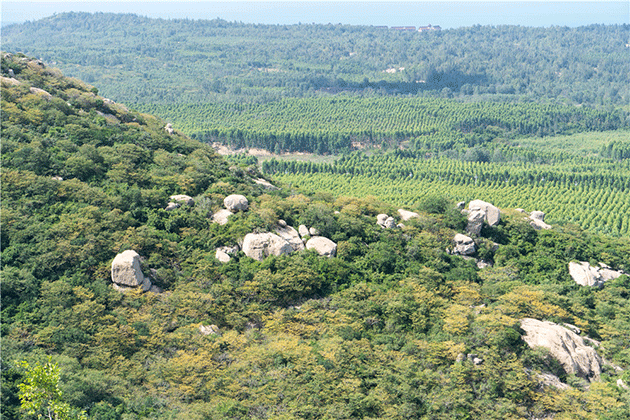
(135, 59)
(398, 324)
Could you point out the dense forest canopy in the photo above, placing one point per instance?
(395, 326)
(135, 59)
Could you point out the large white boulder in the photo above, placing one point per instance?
(464, 245)
(323, 246)
(260, 245)
(475, 221)
(407, 215)
(492, 213)
(585, 274)
(290, 235)
(565, 346)
(127, 273)
(303, 231)
(236, 202)
(221, 217)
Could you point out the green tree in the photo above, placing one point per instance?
(41, 394)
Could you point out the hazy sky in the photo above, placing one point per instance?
(445, 13)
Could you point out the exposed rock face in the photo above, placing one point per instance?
(290, 235)
(126, 271)
(313, 231)
(236, 202)
(260, 245)
(169, 128)
(182, 198)
(323, 246)
(266, 184)
(493, 215)
(406, 214)
(464, 245)
(564, 345)
(385, 221)
(538, 220)
(303, 231)
(221, 217)
(586, 275)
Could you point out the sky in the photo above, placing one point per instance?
(447, 14)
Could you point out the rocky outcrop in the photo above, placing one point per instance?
(261, 245)
(221, 217)
(323, 246)
(585, 274)
(236, 202)
(303, 231)
(127, 273)
(538, 220)
(565, 346)
(169, 128)
(475, 222)
(290, 235)
(385, 221)
(480, 212)
(182, 198)
(464, 245)
(407, 215)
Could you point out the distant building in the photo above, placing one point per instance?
(429, 28)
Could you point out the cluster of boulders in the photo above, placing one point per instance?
(169, 128)
(286, 240)
(233, 204)
(127, 273)
(564, 345)
(478, 213)
(585, 274)
(385, 221)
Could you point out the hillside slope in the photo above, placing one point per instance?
(396, 325)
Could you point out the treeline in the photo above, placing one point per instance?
(333, 124)
(141, 60)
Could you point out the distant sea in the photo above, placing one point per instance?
(444, 13)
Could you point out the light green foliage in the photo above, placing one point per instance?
(40, 392)
(593, 193)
